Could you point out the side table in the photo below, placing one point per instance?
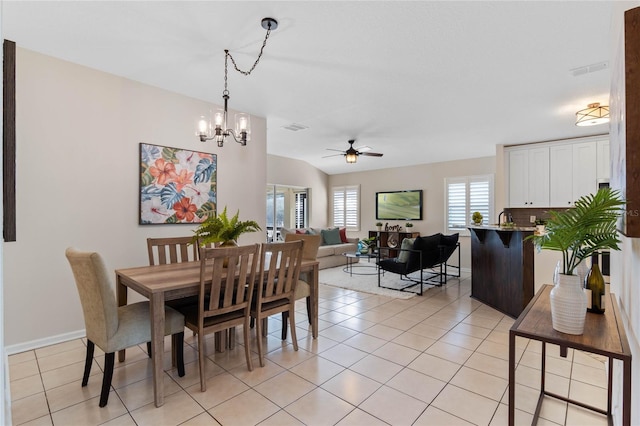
(603, 335)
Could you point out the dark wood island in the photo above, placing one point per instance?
(502, 267)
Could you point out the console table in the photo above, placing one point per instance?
(603, 335)
(391, 240)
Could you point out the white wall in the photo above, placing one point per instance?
(625, 264)
(78, 135)
(289, 172)
(429, 178)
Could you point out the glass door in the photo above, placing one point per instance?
(287, 207)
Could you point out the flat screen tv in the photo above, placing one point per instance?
(399, 205)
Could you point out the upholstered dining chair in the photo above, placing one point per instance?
(303, 290)
(112, 327)
(275, 293)
(226, 301)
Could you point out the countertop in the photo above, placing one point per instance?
(504, 228)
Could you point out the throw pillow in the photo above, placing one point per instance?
(331, 236)
(301, 231)
(407, 244)
(343, 235)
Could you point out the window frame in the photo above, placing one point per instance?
(467, 180)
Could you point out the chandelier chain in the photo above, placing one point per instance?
(227, 54)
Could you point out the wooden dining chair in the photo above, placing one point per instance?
(303, 290)
(112, 327)
(171, 250)
(275, 293)
(225, 302)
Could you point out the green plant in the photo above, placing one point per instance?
(369, 241)
(579, 232)
(220, 229)
(409, 225)
(378, 223)
(476, 217)
(540, 222)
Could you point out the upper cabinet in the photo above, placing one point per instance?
(555, 174)
(529, 177)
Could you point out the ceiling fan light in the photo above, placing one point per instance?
(351, 157)
(592, 115)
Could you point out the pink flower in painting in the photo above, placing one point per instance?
(163, 172)
(183, 178)
(185, 211)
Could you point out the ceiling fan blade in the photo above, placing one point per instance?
(371, 154)
(332, 155)
(331, 149)
(363, 148)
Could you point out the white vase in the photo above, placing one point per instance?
(568, 305)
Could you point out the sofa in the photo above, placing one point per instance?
(334, 243)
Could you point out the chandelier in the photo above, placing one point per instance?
(216, 127)
(592, 115)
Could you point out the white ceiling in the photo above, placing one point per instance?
(419, 81)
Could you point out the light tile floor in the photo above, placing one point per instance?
(436, 359)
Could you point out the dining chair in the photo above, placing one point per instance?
(171, 250)
(225, 302)
(279, 273)
(112, 327)
(303, 290)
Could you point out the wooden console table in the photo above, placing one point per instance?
(603, 335)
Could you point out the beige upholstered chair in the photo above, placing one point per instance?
(309, 252)
(112, 327)
(279, 273)
(226, 302)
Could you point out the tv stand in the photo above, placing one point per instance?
(391, 241)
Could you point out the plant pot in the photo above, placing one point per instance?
(379, 228)
(568, 305)
(230, 243)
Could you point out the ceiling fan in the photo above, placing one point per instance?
(351, 154)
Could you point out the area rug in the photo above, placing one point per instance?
(337, 277)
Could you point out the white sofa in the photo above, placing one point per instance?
(329, 255)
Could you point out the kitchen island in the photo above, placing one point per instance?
(502, 267)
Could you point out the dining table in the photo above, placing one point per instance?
(160, 283)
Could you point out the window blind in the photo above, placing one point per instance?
(346, 207)
(466, 195)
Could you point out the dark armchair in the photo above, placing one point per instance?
(428, 255)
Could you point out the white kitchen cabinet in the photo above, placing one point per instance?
(529, 177)
(572, 172)
(604, 160)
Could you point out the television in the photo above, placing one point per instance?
(399, 205)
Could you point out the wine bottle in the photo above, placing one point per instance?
(595, 286)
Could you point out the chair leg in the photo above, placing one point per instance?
(292, 324)
(259, 324)
(309, 308)
(231, 339)
(178, 349)
(88, 362)
(106, 379)
(201, 355)
(247, 349)
(265, 326)
(149, 349)
(285, 319)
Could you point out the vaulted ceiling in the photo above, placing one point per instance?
(420, 81)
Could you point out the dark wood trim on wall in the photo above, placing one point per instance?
(9, 141)
(632, 119)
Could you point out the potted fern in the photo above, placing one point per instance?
(221, 229)
(578, 233)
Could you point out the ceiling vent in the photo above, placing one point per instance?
(589, 68)
(294, 127)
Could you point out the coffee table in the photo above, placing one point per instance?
(351, 259)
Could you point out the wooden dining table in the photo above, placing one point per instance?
(160, 283)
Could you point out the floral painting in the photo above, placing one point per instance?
(176, 185)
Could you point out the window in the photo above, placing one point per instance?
(301, 209)
(465, 195)
(346, 207)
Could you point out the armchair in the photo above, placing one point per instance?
(431, 253)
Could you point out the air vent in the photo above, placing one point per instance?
(589, 68)
(294, 127)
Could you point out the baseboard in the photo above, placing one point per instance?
(47, 341)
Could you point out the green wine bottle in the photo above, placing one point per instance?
(594, 285)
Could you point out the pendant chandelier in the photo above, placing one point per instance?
(592, 115)
(216, 127)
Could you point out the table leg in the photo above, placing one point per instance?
(512, 377)
(314, 300)
(157, 342)
(626, 389)
(121, 294)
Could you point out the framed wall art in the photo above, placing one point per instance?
(176, 185)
